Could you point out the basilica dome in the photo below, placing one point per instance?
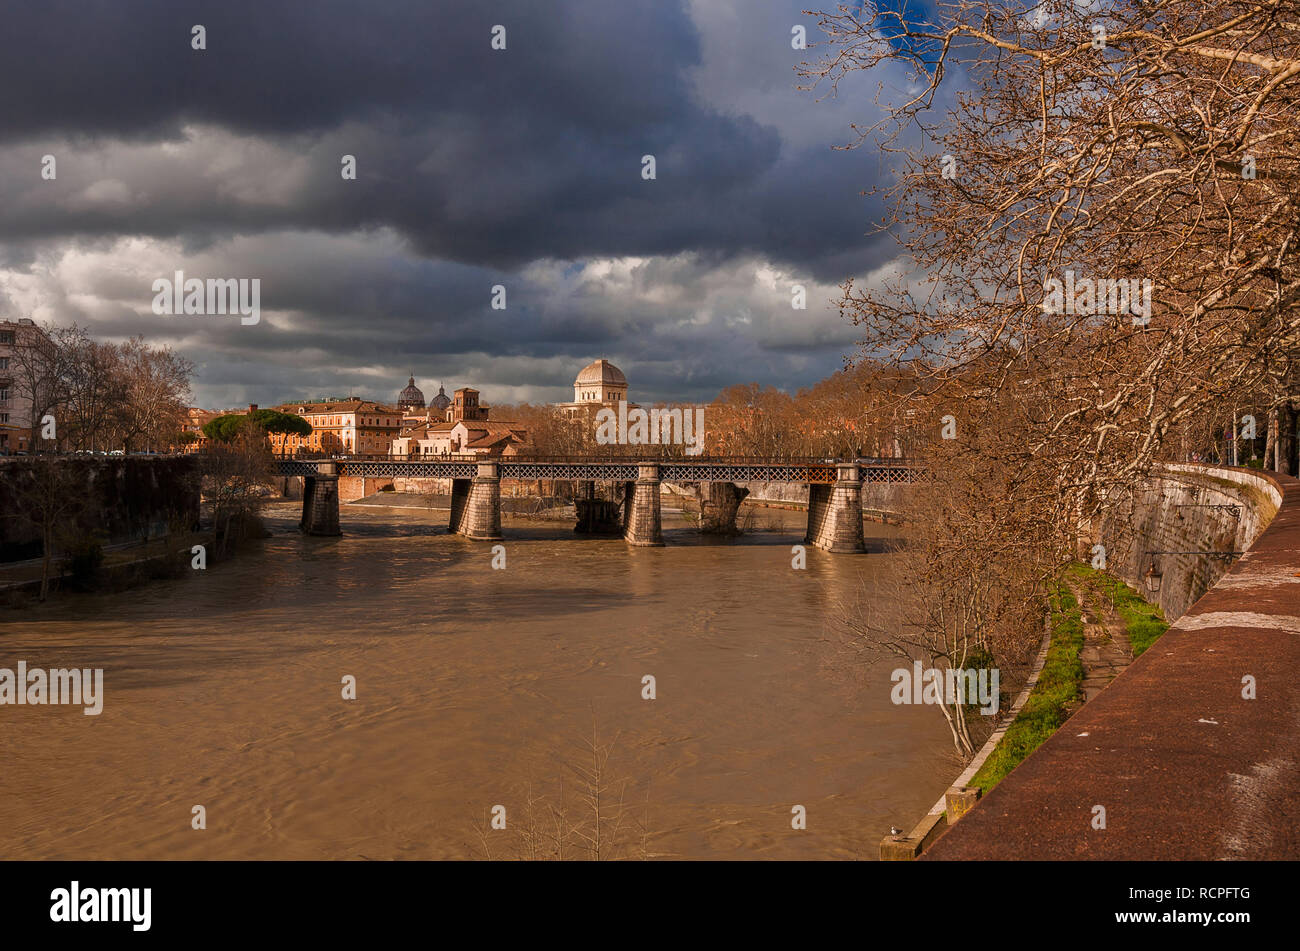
(411, 397)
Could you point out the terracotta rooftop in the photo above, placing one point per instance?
(337, 406)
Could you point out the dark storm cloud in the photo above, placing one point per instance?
(479, 156)
(476, 167)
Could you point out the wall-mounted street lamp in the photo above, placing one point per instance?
(1153, 578)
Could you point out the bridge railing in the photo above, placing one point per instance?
(622, 458)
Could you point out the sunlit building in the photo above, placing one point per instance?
(351, 426)
(466, 429)
(194, 421)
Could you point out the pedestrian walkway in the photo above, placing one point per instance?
(1106, 649)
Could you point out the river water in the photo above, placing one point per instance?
(475, 688)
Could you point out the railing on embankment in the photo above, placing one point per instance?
(1193, 752)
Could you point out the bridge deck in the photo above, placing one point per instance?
(604, 469)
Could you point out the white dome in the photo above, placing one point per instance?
(600, 372)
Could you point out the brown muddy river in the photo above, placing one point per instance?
(475, 688)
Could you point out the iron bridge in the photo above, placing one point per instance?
(820, 472)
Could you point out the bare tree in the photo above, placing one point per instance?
(94, 389)
(1098, 229)
(37, 365)
(1165, 151)
(156, 392)
(235, 479)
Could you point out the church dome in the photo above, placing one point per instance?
(412, 396)
(442, 400)
(602, 372)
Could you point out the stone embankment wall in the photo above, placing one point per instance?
(117, 498)
(1173, 539)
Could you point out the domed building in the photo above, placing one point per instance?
(600, 382)
(441, 401)
(410, 398)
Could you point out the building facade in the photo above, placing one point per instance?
(351, 426)
(195, 420)
(22, 346)
(466, 429)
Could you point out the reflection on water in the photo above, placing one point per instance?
(475, 688)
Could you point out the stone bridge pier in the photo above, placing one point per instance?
(642, 524)
(835, 512)
(320, 501)
(596, 516)
(719, 503)
(476, 504)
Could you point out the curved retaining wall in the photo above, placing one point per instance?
(1165, 540)
(1182, 762)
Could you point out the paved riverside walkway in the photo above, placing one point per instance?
(1185, 767)
(1106, 648)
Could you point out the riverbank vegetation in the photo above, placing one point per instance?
(1143, 621)
(1054, 695)
(236, 473)
(1058, 690)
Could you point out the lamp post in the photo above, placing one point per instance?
(1153, 579)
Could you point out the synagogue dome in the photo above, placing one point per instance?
(600, 372)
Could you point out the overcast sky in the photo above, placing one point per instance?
(475, 167)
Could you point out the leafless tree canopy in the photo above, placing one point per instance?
(1045, 154)
(1135, 142)
(102, 395)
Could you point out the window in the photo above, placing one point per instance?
(6, 336)
(4, 392)
(4, 363)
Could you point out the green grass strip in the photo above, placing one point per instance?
(1058, 685)
(1061, 681)
(1143, 621)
